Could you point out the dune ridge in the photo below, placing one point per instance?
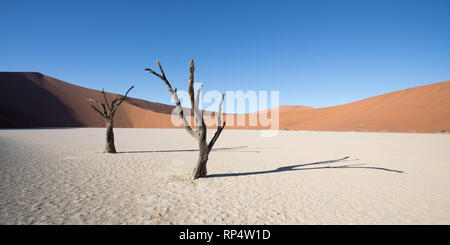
(418, 109)
(32, 99)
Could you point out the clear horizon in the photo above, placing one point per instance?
(317, 54)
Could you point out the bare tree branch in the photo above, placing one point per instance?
(161, 69)
(120, 99)
(219, 111)
(191, 83)
(97, 110)
(216, 136)
(96, 101)
(175, 99)
(109, 115)
(106, 100)
(197, 112)
(105, 112)
(220, 127)
(200, 134)
(155, 73)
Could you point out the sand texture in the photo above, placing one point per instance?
(61, 176)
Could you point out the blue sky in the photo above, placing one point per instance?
(316, 53)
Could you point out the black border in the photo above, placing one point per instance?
(170, 233)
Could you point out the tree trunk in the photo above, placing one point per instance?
(200, 133)
(110, 148)
(107, 111)
(200, 166)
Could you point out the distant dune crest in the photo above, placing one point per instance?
(35, 100)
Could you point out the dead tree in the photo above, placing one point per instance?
(200, 133)
(108, 111)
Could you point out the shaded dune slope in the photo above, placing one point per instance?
(35, 100)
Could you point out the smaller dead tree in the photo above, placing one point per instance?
(200, 133)
(108, 111)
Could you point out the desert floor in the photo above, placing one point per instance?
(61, 176)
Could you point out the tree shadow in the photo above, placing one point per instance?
(301, 167)
(233, 149)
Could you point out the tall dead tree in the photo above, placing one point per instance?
(108, 111)
(200, 133)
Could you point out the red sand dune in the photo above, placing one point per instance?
(419, 109)
(34, 100)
